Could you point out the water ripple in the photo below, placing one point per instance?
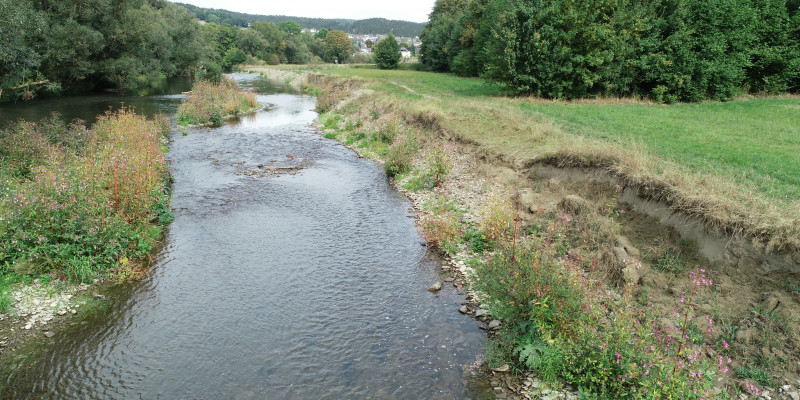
(306, 286)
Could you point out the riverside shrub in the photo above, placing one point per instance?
(212, 102)
(442, 230)
(89, 201)
(401, 155)
(561, 323)
(497, 219)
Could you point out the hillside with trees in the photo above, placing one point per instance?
(365, 26)
(667, 50)
(50, 47)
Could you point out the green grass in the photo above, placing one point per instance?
(755, 373)
(670, 261)
(6, 283)
(734, 163)
(754, 141)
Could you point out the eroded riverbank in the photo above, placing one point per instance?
(743, 322)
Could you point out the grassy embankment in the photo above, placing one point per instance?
(212, 103)
(730, 163)
(78, 203)
(733, 163)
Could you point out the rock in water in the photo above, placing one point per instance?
(463, 309)
(502, 368)
(435, 287)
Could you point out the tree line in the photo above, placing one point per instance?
(358, 27)
(666, 50)
(285, 43)
(53, 46)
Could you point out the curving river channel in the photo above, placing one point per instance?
(292, 271)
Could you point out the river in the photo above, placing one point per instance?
(273, 282)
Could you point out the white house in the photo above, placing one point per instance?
(405, 53)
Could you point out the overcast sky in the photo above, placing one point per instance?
(407, 10)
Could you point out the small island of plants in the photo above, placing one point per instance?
(213, 102)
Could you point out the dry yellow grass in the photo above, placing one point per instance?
(502, 128)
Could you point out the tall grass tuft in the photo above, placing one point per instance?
(211, 102)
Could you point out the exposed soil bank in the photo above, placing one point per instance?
(721, 249)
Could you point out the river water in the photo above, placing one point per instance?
(272, 283)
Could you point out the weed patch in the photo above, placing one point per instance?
(562, 324)
(85, 198)
(401, 155)
(211, 102)
(441, 230)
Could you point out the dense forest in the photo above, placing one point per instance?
(358, 27)
(52, 46)
(667, 50)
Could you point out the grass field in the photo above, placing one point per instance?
(734, 163)
(755, 141)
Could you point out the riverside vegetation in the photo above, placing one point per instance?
(213, 102)
(71, 46)
(546, 267)
(79, 203)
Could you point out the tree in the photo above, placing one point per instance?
(321, 34)
(253, 43)
(233, 57)
(20, 25)
(296, 51)
(436, 54)
(273, 36)
(127, 44)
(337, 46)
(387, 53)
(317, 48)
(290, 27)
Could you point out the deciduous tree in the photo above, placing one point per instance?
(337, 46)
(387, 53)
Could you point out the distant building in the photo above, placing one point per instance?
(405, 53)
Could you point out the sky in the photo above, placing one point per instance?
(407, 10)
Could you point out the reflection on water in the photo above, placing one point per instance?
(305, 286)
(163, 99)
